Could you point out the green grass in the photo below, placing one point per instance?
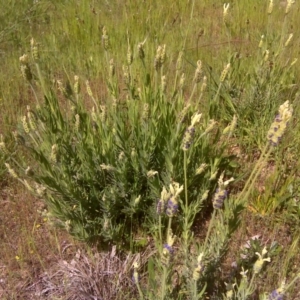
(261, 77)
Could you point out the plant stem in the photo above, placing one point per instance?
(186, 214)
(140, 291)
(159, 229)
(254, 174)
(163, 290)
(169, 225)
(217, 93)
(41, 79)
(34, 93)
(189, 25)
(292, 282)
(251, 282)
(260, 166)
(185, 180)
(175, 82)
(195, 289)
(209, 229)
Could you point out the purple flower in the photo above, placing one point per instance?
(160, 207)
(276, 295)
(135, 277)
(280, 123)
(169, 248)
(219, 197)
(188, 138)
(172, 207)
(167, 254)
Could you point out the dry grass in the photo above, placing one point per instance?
(40, 262)
(29, 246)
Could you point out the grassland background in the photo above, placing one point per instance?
(69, 37)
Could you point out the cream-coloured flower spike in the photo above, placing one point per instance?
(163, 83)
(200, 257)
(280, 123)
(136, 266)
(213, 176)
(164, 195)
(182, 81)
(151, 173)
(53, 155)
(260, 261)
(282, 287)
(28, 186)
(201, 169)
(129, 56)
(221, 192)
(261, 41)
(11, 171)
(171, 238)
(88, 88)
(199, 268)
(293, 62)
(76, 84)
(270, 8)
(211, 125)
(230, 128)
(175, 189)
(23, 59)
(288, 40)
(226, 7)
(204, 84)
(34, 49)
(224, 72)
(190, 132)
(3, 148)
(286, 111)
(198, 72)
(225, 183)
(225, 10)
(205, 195)
(161, 204)
(168, 250)
(107, 167)
(266, 55)
(244, 273)
(137, 200)
(141, 51)
(105, 39)
(289, 5)
(196, 119)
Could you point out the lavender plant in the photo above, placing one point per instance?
(197, 270)
(101, 169)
